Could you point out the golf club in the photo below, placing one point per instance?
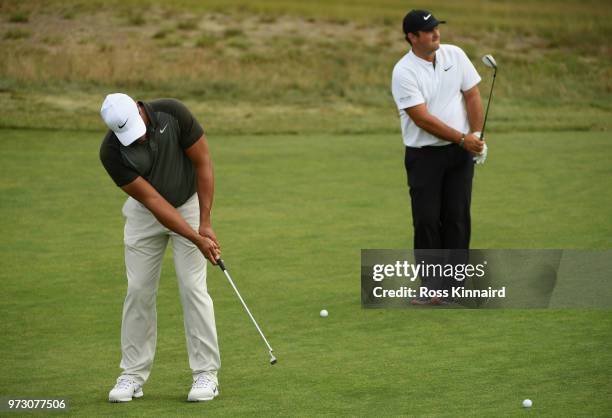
(489, 61)
(222, 266)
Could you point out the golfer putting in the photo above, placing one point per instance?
(158, 154)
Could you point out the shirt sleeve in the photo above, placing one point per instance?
(190, 129)
(470, 75)
(113, 163)
(405, 89)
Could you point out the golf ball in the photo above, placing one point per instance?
(324, 313)
(527, 403)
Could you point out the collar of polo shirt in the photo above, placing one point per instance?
(422, 61)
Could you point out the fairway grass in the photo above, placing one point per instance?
(292, 213)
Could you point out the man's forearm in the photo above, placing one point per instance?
(429, 123)
(168, 216)
(437, 128)
(164, 212)
(475, 115)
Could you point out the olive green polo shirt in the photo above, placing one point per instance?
(161, 159)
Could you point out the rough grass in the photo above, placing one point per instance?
(292, 214)
(272, 57)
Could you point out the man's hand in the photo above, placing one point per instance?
(208, 248)
(207, 232)
(473, 144)
(482, 157)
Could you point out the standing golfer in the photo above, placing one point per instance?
(158, 154)
(435, 87)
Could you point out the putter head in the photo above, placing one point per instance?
(489, 61)
(272, 359)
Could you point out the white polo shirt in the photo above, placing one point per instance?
(416, 81)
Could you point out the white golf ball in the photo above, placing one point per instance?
(324, 313)
(527, 403)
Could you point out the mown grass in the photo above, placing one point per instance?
(274, 56)
(292, 213)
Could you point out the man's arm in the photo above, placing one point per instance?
(473, 105)
(167, 215)
(200, 158)
(428, 122)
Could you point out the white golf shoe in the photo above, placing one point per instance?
(125, 389)
(204, 388)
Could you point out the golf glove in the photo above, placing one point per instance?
(480, 158)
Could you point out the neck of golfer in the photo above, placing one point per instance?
(426, 55)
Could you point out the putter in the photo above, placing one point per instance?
(246, 308)
(489, 61)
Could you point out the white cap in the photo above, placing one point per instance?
(120, 113)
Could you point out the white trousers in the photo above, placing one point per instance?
(145, 244)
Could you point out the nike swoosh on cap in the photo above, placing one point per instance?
(161, 131)
(427, 17)
(121, 126)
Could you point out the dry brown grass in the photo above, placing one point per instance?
(306, 56)
(101, 48)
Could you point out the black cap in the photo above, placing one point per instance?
(417, 20)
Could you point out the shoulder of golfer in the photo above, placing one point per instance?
(189, 129)
(166, 116)
(408, 77)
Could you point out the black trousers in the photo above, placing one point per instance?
(440, 182)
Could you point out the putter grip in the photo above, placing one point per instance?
(220, 263)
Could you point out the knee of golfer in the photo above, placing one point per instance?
(141, 291)
(455, 224)
(457, 218)
(189, 285)
(426, 223)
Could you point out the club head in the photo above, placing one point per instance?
(489, 61)
(272, 359)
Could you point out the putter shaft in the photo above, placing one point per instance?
(246, 308)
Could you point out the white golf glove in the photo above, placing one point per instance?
(480, 158)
